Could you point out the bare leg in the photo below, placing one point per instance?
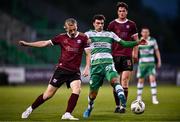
(50, 91)
(91, 98)
(76, 88)
(126, 75)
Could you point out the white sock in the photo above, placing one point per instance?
(153, 88)
(30, 108)
(140, 87)
(120, 93)
(90, 103)
(119, 90)
(154, 97)
(67, 113)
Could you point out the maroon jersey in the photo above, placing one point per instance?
(125, 30)
(71, 50)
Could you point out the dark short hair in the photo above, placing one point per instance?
(122, 4)
(98, 17)
(70, 21)
(145, 27)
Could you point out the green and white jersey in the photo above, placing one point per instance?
(146, 52)
(101, 46)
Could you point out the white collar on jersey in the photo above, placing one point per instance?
(147, 38)
(75, 35)
(98, 31)
(121, 22)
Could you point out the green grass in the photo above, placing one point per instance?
(14, 100)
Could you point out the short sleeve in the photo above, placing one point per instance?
(86, 33)
(87, 42)
(55, 40)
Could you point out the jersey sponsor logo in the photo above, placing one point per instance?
(107, 34)
(146, 51)
(99, 34)
(79, 41)
(65, 41)
(70, 49)
(101, 45)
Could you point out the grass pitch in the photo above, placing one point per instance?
(14, 100)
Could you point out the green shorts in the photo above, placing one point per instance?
(99, 72)
(145, 70)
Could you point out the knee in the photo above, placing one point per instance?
(152, 79)
(76, 86)
(93, 95)
(76, 90)
(125, 81)
(47, 95)
(114, 81)
(141, 80)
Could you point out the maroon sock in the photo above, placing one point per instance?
(116, 98)
(126, 92)
(39, 100)
(72, 102)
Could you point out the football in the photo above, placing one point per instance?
(137, 106)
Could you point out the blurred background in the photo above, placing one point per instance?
(33, 20)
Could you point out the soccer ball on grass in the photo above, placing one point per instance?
(137, 106)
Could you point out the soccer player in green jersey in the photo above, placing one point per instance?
(102, 65)
(147, 65)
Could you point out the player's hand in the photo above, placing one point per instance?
(135, 59)
(86, 71)
(22, 43)
(142, 42)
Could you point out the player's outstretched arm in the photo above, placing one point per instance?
(135, 49)
(35, 44)
(131, 44)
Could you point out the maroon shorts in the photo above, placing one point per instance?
(123, 63)
(61, 76)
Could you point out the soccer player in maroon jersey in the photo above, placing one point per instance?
(126, 30)
(72, 45)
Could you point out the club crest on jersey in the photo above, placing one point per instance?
(107, 34)
(65, 41)
(127, 26)
(78, 41)
(54, 80)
